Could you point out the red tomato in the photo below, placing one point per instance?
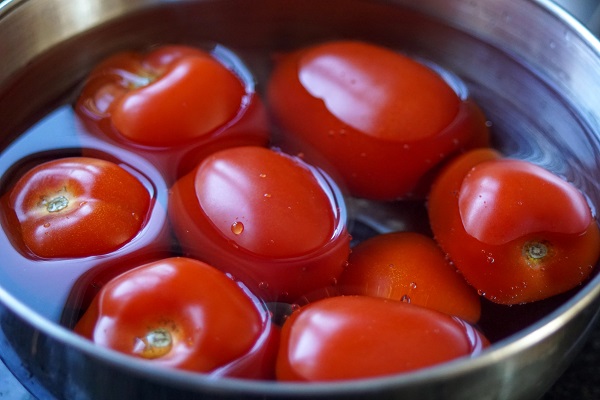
(181, 313)
(174, 97)
(78, 207)
(517, 232)
(271, 220)
(409, 267)
(381, 119)
(350, 337)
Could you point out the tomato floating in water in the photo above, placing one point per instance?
(380, 120)
(183, 313)
(175, 103)
(352, 337)
(517, 232)
(77, 207)
(271, 220)
(409, 267)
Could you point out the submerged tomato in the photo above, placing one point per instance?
(350, 337)
(181, 313)
(77, 207)
(517, 232)
(269, 219)
(409, 267)
(380, 119)
(174, 96)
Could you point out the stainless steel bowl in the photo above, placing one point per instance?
(533, 68)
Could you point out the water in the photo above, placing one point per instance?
(44, 285)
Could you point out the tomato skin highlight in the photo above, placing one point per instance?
(522, 261)
(78, 207)
(409, 267)
(186, 300)
(174, 104)
(140, 115)
(354, 337)
(269, 219)
(500, 201)
(382, 149)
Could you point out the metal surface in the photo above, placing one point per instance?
(534, 69)
(586, 11)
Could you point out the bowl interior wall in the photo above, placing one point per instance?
(539, 104)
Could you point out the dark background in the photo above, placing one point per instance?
(581, 381)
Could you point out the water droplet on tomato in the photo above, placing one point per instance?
(267, 195)
(413, 285)
(237, 228)
(263, 285)
(263, 175)
(47, 225)
(405, 299)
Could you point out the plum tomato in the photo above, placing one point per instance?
(181, 313)
(516, 231)
(409, 267)
(380, 120)
(352, 337)
(77, 207)
(272, 221)
(174, 96)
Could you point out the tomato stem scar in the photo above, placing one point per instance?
(57, 204)
(155, 344)
(535, 251)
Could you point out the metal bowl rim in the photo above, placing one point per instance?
(501, 350)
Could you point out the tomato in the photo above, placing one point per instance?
(77, 207)
(180, 313)
(379, 119)
(517, 232)
(350, 337)
(271, 220)
(409, 267)
(174, 96)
